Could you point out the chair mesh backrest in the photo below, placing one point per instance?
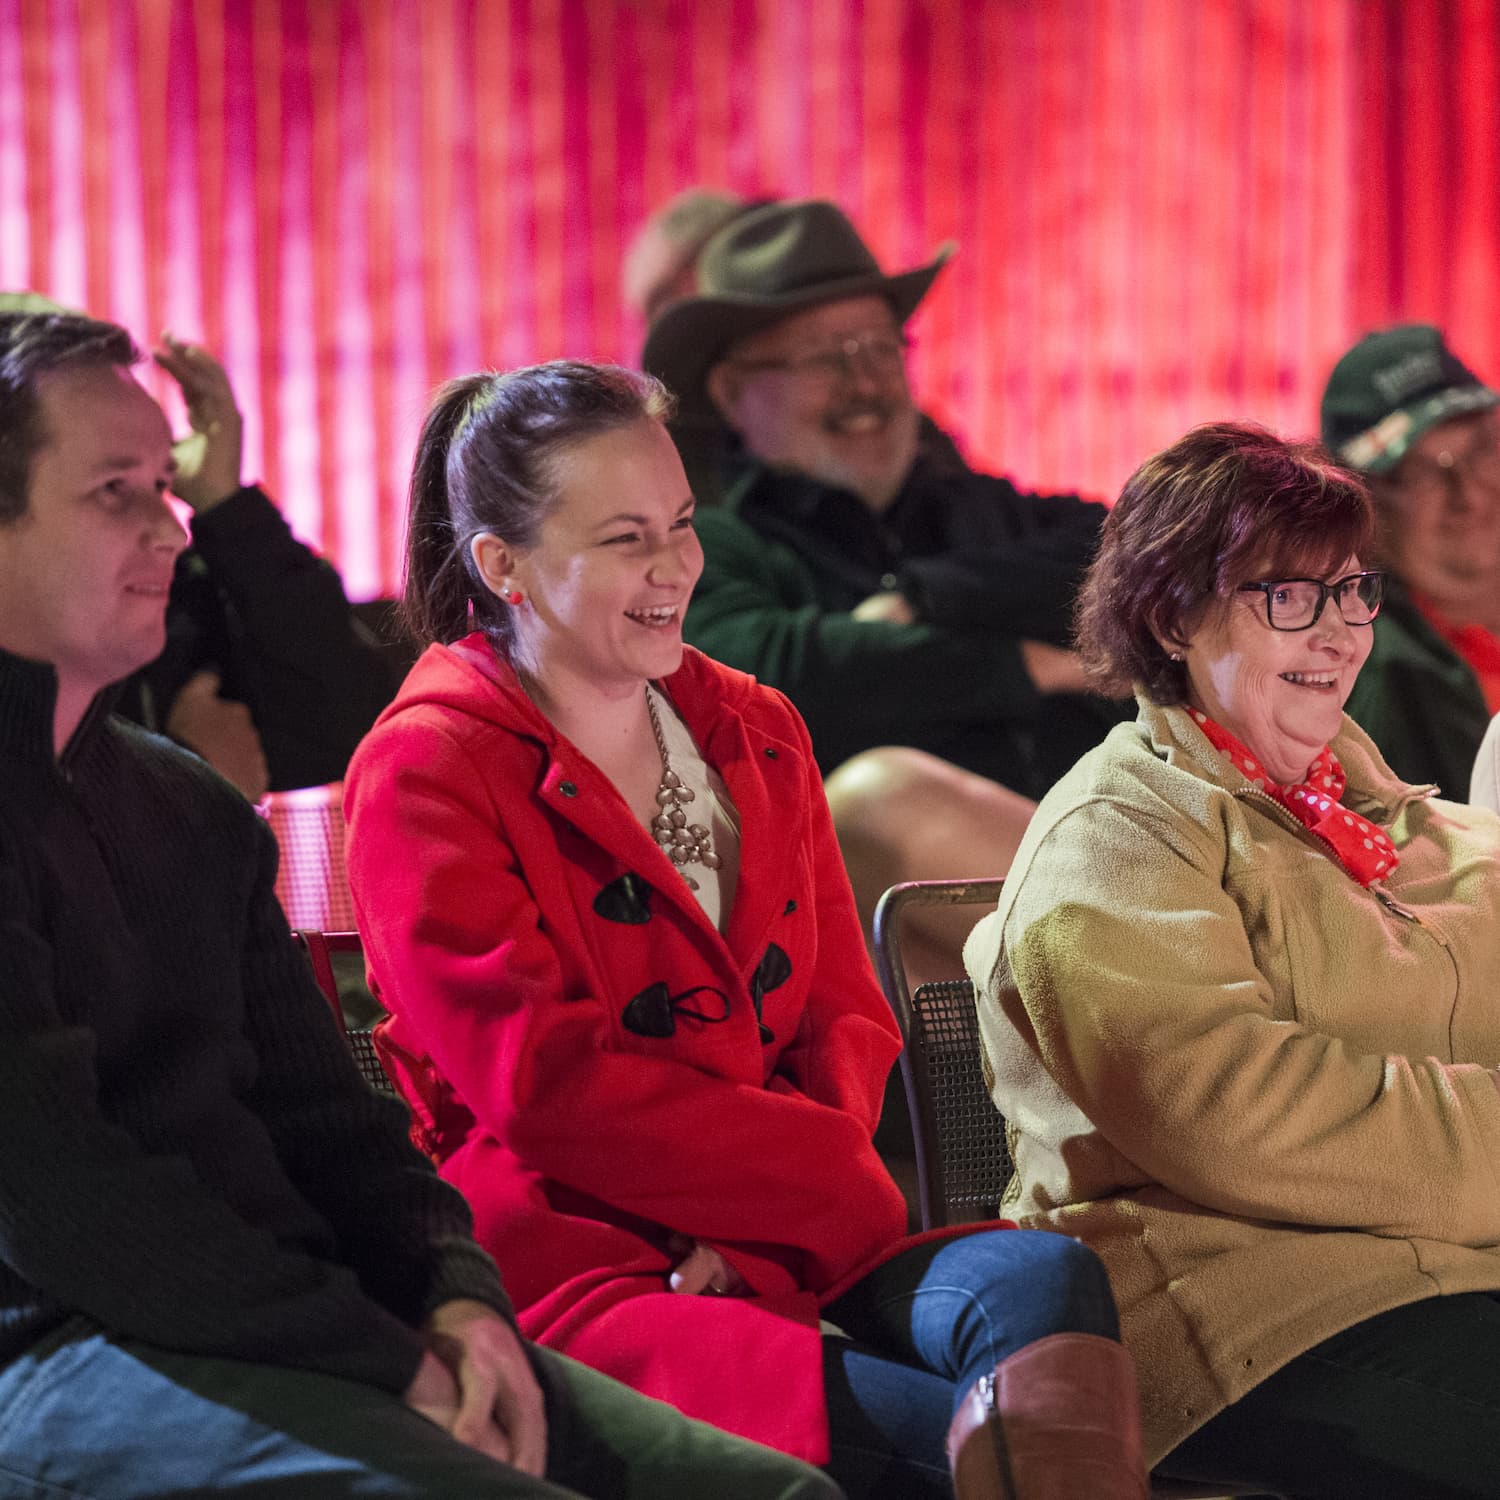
(320, 948)
(312, 882)
(362, 1045)
(971, 1132)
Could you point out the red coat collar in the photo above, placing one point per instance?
(766, 771)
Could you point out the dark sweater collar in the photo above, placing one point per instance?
(28, 702)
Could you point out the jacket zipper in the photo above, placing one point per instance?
(1288, 820)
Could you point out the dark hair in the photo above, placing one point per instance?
(32, 346)
(1228, 504)
(485, 462)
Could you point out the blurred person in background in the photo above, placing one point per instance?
(918, 613)
(661, 266)
(1403, 410)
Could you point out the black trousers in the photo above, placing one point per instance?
(1404, 1406)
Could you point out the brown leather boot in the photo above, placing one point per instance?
(1058, 1420)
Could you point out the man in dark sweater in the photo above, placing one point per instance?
(223, 1267)
(266, 673)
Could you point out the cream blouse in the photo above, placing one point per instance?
(715, 891)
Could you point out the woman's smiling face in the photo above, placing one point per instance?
(608, 580)
(1281, 692)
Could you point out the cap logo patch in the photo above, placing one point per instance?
(1412, 372)
(1362, 451)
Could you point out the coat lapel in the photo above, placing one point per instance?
(765, 776)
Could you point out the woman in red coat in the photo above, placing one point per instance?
(630, 1003)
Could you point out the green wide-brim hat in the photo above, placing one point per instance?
(767, 264)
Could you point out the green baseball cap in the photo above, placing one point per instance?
(1389, 389)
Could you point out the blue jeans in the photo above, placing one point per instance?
(84, 1415)
(925, 1326)
(1404, 1406)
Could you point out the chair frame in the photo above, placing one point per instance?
(320, 948)
(932, 1201)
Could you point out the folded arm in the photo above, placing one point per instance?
(548, 1072)
(1145, 1004)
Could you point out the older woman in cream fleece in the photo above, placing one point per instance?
(1240, 1005)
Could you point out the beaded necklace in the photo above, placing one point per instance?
(682, 842)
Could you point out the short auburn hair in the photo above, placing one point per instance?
(1229, 503)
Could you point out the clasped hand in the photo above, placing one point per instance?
(702, 1271)
(475, 1382)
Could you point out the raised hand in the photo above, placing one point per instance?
(208, 458)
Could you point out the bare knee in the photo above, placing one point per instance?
(923, 817)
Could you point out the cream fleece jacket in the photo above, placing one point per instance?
(1261, 1092)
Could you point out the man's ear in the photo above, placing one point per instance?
(723, 387)
(495, 561)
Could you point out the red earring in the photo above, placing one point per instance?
(515, 596)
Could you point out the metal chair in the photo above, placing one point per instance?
(320, 948)
(963, 1161)
(312, 883)
(963, 1164)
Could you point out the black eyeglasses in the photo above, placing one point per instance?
(1297, 603)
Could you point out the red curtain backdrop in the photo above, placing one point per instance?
(1167, 210)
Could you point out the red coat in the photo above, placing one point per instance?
(513, 908)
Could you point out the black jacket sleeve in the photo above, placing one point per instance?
(310, 675)
(858, 684)
(1012, 564)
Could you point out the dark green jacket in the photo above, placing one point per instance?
(985, 566)
(1419, 701)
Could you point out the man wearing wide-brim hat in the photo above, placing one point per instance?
(897, 597)
(1404, 410)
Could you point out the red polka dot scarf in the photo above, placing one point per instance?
(1362, 848)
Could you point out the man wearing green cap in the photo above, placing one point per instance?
(1405, 412)
(916, 612)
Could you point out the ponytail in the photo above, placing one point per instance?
(435, 604)
(484, 463)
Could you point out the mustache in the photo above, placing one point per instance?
(864, 406)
